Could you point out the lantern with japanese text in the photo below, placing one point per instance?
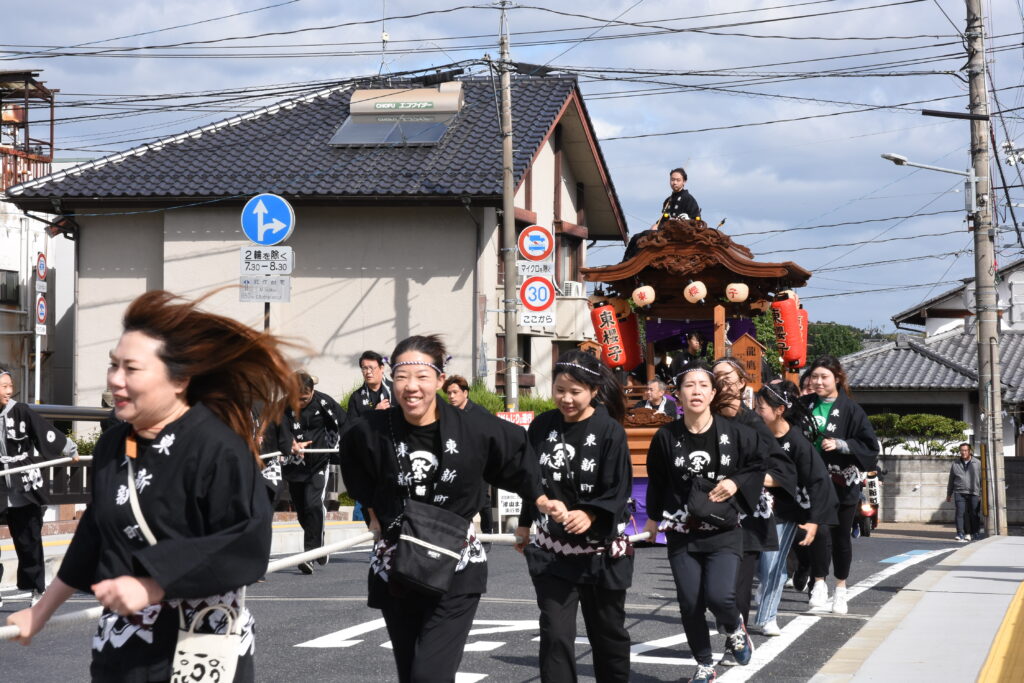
(805, 324)
(737, 292)
(619, 339)
(643, 296)
(788, 337)
(695, 291)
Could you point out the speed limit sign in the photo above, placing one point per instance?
(537, 294)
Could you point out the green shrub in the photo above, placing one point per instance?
(921, 433)
(343, 401)
(346, 500)
(482, 396)
(86, 443)
(537, 404)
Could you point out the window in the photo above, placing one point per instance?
(10, 292)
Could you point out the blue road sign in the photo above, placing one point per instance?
(268, 219)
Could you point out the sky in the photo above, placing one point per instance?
(778, 109)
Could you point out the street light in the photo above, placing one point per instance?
(970, 185)
(986, 310)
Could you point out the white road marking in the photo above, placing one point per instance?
(343, 638)
(771, 649)
(483, 646)
(469, 678)
(503, 626)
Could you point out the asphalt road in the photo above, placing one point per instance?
(318, 628)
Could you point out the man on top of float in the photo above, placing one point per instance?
(679, 205)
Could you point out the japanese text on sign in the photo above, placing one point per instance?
(266, 260)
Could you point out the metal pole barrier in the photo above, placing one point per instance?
(83, 459)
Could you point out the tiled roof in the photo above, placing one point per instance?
(283, 149)
(910, 315)
(946, 362)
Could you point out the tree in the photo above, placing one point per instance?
(764, 333)
(922, 433)
(832, 339)
(886, 426)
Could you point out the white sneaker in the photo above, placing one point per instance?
(771, 628)
(967, 537)
(819, 596)
(839, 601)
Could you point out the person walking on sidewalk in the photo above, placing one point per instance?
(375, 394)
(964, 489)
(23, 435)
(848, 445)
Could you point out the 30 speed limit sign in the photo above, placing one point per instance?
(537, 294)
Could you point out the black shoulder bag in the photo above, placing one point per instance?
(724, 514)
(430, 539)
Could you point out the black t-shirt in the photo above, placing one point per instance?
(422, 457)
(702, 452)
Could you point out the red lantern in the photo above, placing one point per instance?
(619, 339)
(788, 337)
(805, 322)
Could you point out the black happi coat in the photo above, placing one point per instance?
(759, 528)
(678, 203)
(365, 400)
(201, 493)
(849, 422)
(597, 478)
(815, 499)
(739, 456)
(322, 421)
(475, 448)
(22, 428)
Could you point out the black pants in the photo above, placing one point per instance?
(705, 581)
(308, 500)
(26, 525)
(837, 546)
(968, 513)
(428, 635)
(745, 582)
(604, 613)
(486, 520)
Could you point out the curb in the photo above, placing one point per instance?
(847, 661)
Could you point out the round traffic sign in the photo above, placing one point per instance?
(536, 243)
(41, 310)
(41, 266)
(268, 219)
(537, 294)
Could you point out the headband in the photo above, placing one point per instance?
(710, 374)
(734, 363)
(785, 401)
(394, 366)
(565, 364)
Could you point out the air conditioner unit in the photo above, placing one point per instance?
(572, 288)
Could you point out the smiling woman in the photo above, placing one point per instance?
(180, 516)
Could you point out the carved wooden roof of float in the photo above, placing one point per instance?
(680, 251)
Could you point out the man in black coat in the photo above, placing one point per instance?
(457, 389)
(680, 205)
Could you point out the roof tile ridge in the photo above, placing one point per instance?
(171, 139)
(942, 360)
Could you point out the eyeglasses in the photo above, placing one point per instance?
(366, 370)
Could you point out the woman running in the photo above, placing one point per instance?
(23, 435)
(759, 534)
(185, 456)
(686, 458)
(585, 562)
(848, 445)
(813, 507)
(426, 450)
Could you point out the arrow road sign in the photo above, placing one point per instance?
(268, 219)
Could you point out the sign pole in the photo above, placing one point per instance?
(266, 316)
(39, 365)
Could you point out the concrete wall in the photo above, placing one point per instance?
(914, 490)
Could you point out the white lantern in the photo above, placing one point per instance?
(695, 291)
(643, 296)
(789, 293)
(737, 292)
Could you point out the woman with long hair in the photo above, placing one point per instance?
(704, 471)
(585, 562)
(26, 439)
(428, 451)
(848, 445)
(184, 381)
(813, 506)
(732, 382)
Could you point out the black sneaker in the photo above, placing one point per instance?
(322, 561)
(305, 568)
(800, 580)
(728, 659)
(740, 645)
(704, 674)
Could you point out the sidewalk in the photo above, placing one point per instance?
(287, 540)
(962, 620)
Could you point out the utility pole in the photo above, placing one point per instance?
(508, 223)
(990, 400)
